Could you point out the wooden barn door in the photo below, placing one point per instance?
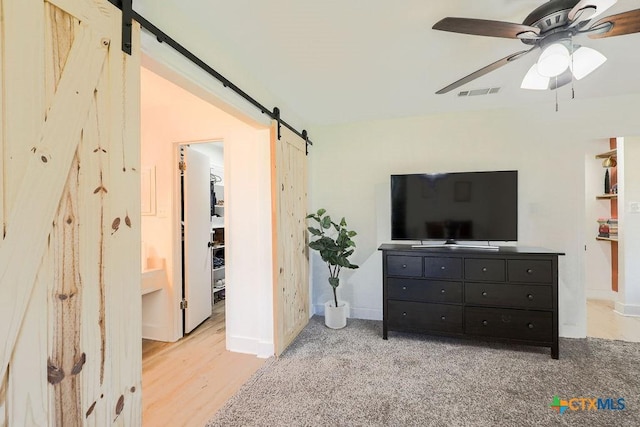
(70, 327)
(290, 254)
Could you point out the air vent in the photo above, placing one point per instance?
(478, 92)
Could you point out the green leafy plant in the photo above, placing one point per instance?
(335, 245)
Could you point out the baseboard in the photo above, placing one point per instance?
(265, 349)
(602, 294)
(354, 312)
(261, 349)
(156, 333)
(366, 313)
(572, 331)
(629, 310)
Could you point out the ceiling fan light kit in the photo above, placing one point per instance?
(552, 28)
(585, 61)
(533, 80)
(553, 60)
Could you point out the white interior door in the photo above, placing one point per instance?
(197, 235)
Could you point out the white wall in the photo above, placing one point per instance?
(352, 163)
(171, 115)
(629, 225)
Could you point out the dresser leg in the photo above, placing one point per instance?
(555, 352)
(384, 332)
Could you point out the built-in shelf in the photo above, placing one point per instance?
(605, 155)
(218, 269)
(218, 289)
(217, 247)
(612, 198)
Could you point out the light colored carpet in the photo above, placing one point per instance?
(352, 377)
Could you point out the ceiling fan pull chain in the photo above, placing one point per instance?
(573, 77)
(556, 93)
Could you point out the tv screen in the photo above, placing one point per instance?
(455, 206)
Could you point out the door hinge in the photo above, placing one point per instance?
(182, 165)
(184, 304)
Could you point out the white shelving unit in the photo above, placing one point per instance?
(217, 273)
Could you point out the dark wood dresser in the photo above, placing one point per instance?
(508, 294)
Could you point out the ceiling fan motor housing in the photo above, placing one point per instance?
(551, 18)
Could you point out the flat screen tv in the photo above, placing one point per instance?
(473, 206)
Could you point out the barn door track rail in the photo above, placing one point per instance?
(129, 15)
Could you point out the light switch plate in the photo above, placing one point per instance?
(634, 207)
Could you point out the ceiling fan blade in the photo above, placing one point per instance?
(482, 27)
(482, 71)
(622, 23)
(597, 7)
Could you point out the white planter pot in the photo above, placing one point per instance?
(336, 317)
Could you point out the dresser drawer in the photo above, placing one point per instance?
(424, 290)
(491, 270)
(408, 266)
(443, 268)
(420, 316)
(505, 323)
(530, 271)
(508, 295)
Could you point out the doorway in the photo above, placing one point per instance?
(196, 374)
(172, 115)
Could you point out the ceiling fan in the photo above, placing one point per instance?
(552, 28)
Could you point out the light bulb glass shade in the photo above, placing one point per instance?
(553, 60)
(586, 60)
(534, 81)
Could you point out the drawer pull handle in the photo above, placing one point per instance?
(404, 288)
(442, 268)
(530, 297)
(485, 323)
(404, 313)
(529, 271)
(443, 318)
(484, 269)
(484, 294)
(404, 265)
(442, 291)
(530, 325)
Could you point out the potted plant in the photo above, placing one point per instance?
(335, 245)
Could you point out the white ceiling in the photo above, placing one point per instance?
(336, 61)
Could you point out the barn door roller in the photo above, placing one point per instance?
(127, 24)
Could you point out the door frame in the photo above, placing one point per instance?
(243, 336)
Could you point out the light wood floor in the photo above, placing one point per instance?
(603, 322)
(185, 383)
